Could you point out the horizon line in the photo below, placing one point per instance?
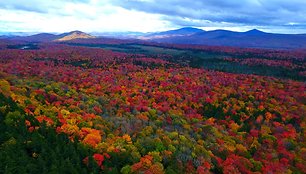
(207, 30)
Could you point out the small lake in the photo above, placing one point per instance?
(24, 47)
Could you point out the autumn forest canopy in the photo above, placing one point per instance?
(117, 107)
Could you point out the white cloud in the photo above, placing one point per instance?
(78, 16)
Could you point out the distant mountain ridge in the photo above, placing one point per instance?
(249, 39)
(188, 35)
(183, 31)
(171, 33)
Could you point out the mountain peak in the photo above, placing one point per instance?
(76, 32)
(75, 35)
(255, 31)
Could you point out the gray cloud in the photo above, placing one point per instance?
(246, 12)
(39, 6)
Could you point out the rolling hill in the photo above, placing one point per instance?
(74, 35)
(47, 37)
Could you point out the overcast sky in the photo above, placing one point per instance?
(282, 16)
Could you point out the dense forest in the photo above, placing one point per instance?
(163, 109)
